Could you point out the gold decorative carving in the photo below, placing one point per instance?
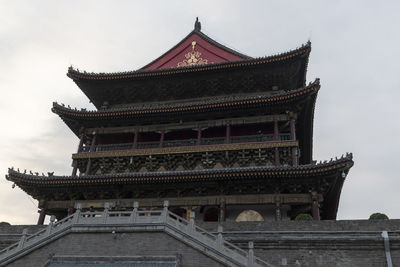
(193, 58)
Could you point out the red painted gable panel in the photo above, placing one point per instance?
(193, 50)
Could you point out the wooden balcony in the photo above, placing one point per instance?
(188, 142)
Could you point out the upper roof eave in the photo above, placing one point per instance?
(75, 74)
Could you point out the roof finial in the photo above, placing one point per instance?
(197, 25)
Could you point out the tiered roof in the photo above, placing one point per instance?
(284, 71)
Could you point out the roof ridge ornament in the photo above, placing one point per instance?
(197, 25)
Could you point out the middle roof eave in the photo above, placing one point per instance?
(76, 119)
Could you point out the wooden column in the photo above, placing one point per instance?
(276, 131)
(75, 162)
(315, 206)
(75, 169)
(293, 138)
(276, 138)
(315, 210)
(294, 156)
(199, 136)
(92, 149)
(80, 143)
(135, 139)
(93, 144)
(278, 211)
(88, 166)
(277, 157)
(228, 133)
(162, 138)
(292, 130)
(42, 216)
(222, 211)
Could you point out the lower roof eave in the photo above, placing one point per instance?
(341, 165)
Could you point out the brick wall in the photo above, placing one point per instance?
(120, 244)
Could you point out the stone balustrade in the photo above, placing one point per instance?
(167, 221)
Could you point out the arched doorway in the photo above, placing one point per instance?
(249, 216)
(211, 214)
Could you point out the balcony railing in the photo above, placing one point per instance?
(213, 141)
(114, 147)
(189, 142)
(174, 143)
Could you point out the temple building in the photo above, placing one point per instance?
(215, 132)
(203, 157)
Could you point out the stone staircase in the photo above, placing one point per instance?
(213, 245)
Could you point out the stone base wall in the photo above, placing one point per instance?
(119, 244)
(283, 243)
(287, 225)
(316, 243)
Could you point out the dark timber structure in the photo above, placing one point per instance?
(205, 127)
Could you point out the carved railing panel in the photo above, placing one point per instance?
(186, 161)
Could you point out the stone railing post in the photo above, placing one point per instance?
(133, 217)
(220, 239)
(165, 211)
(385, 236)
(23, 238)
(77, 213)
(105, 212)
(251, 255)
(191, 222)
(50, 226)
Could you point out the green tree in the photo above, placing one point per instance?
(303, 217)
(378, 216)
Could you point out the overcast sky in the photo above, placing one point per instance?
(355, 52)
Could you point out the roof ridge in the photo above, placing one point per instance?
(197, 30)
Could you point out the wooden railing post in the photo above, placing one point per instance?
(162, 136)
(228, 133)
(198, 141)
(135, 139)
